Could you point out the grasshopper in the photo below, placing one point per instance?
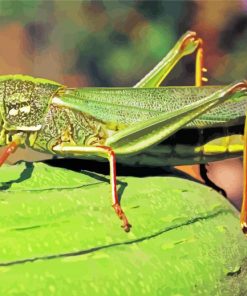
(110, 122)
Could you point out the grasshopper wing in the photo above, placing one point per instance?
(142, 135)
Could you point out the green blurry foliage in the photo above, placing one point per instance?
(115, 43)
(18, 10)
(110, 42)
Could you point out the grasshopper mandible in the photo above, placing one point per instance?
(106, 122)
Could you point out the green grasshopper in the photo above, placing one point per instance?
(110, 122)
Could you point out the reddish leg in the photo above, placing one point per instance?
(7, 151)
(115, 201)
(101, 151)
(243, 217)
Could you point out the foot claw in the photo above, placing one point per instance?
(126, 226)
(244, 228)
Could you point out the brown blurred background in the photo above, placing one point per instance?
(115, 43)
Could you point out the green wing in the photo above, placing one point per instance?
(131, 105)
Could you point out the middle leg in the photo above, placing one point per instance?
(104, 151)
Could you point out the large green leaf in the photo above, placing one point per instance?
(60, 236)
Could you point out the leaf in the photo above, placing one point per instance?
(60, 236)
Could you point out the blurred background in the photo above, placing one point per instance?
(115, 43)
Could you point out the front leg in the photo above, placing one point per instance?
(105, 152)
(11, 148)
(17, 140)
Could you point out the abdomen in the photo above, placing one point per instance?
(193, 145)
